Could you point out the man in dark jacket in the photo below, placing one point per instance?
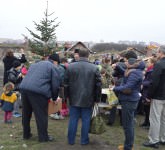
(40, 84)
(157, 111)
(83, 86)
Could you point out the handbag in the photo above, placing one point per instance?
(97, 125)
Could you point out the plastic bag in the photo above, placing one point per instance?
(97, 125)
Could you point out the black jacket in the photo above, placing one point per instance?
(13, 76)
(8, 64)
(82, 83)
(157, 88)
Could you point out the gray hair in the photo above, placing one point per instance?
(83, 53)
(162, 49)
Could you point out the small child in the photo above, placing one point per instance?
(8, 98)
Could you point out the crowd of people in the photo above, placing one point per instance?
(138, 84)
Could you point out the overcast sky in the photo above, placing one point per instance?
(88, 20)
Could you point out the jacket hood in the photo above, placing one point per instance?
(141, 65)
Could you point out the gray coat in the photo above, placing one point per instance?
(42, 78)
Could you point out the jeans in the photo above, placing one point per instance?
(17, 103)
(75, 114)
(128, 112)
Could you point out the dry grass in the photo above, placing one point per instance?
(11, 136)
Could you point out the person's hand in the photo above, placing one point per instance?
(59, 99)
(113, 66)
(55, 102)
(20, 75)
(111, 87)
(148, 100)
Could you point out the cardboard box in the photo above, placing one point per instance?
(53, 108)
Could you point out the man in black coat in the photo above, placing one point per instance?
(82, 83)
(157, 96)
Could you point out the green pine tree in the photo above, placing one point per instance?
(44, 43)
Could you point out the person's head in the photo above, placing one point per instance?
(55, 58)
(161, 52)
(103, 72)
(107, 60)
(17, 65)
(83, 53)
(63, 60)
(130, 54)
(132, 61)
(97, 62)
(151, 61)
(76, 54)
(8, 87)
(9, 53)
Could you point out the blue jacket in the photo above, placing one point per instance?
(133, 81)
(42, 78)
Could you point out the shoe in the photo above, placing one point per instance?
(17, 115)
(55, 116)
(145, 124)
(121, 147)
(162, 143)
(61, 117)
(28, 137)
(49, 139)
(153, 145)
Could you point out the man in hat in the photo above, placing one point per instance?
(39, 85)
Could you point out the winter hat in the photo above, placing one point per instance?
(131, 61)
(130, 54)
(55, 57)
(16, 63)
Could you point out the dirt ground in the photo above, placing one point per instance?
(11, 135)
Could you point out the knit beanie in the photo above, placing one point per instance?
(16, 63)
(131, 61)
(55, 57)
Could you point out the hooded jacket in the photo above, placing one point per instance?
(132, 80)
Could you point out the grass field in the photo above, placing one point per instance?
(11, 136)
